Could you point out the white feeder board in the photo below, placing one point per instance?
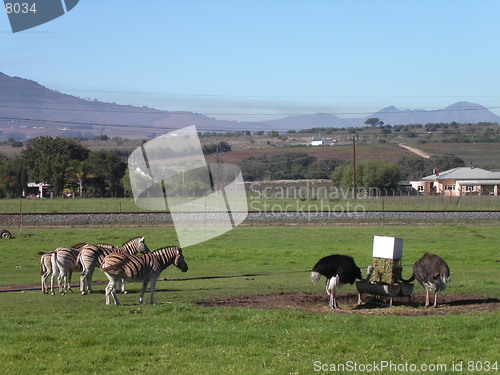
(387, 247)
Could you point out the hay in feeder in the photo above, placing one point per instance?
(386, 271)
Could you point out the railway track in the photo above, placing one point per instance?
(253, 217)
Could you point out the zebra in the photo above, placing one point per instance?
(45, 268)
(93, 255)
(65, 260)
(146, 267)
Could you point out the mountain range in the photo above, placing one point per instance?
(28, 109)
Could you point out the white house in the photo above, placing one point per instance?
(318, 141)
(459, 181)
(34, 189)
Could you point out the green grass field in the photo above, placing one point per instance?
(80, 334)
(258, 202)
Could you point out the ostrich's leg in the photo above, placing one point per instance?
(335, 304)
(332, 299)
(427, 298)
(436, 299)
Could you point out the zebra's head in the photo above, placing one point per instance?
(179, 261)
(141, 245)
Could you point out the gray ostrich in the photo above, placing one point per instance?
(432, 272)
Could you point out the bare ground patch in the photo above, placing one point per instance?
(318, 303)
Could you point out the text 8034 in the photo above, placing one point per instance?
(20, 8)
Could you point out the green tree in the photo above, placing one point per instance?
(11, 178)
(369, 174)
(76, 172)
(373, 121)
(342, 176)
(47, 160)
(105, 172)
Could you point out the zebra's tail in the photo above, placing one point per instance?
(315, 276)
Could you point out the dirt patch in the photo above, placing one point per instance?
(318, 303)
(348, 302)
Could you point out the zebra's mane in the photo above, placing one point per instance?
(138, 238)
(168, 248)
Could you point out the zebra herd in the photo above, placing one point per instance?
(130, 262)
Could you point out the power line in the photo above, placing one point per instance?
(152, 111)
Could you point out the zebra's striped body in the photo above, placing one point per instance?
(65, 260)
(93, 255)
(45, 268)
(146, 268)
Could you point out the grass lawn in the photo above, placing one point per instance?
(80, 334)
(281, 200)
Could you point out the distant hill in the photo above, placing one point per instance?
(317, 120)
(461, 112)
(28, 109)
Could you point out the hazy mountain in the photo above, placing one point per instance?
(461, 112)
(317, 120)
(28, 109)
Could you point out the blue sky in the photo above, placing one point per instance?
(261, 59)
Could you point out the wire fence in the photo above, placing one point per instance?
(272, 201)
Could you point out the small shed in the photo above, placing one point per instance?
(318, 141)
(36, 190)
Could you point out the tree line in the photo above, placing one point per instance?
(68, 167)
(72, 170)
(369, 173)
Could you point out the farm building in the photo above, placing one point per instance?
(36, 190)
(318, 141)
(459, 181)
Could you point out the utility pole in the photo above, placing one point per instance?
(354, 166)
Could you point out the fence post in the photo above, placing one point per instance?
(21, 216)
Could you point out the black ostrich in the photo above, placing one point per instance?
(432, 272)
(338, 270)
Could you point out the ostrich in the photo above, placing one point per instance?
(338, 270)
(432, 272)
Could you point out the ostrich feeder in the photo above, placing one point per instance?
(387, 270)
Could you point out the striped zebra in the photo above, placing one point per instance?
(45, 268)
(93, 255)
(145, 268)
(65, 261)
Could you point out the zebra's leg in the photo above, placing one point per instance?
(143, 290)
(120, 286)
(45, 288)
(83, 279)
(53, 260)
(152, 287)
(110, 290)
(70, 274)
(61, 281)
(89, 279)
